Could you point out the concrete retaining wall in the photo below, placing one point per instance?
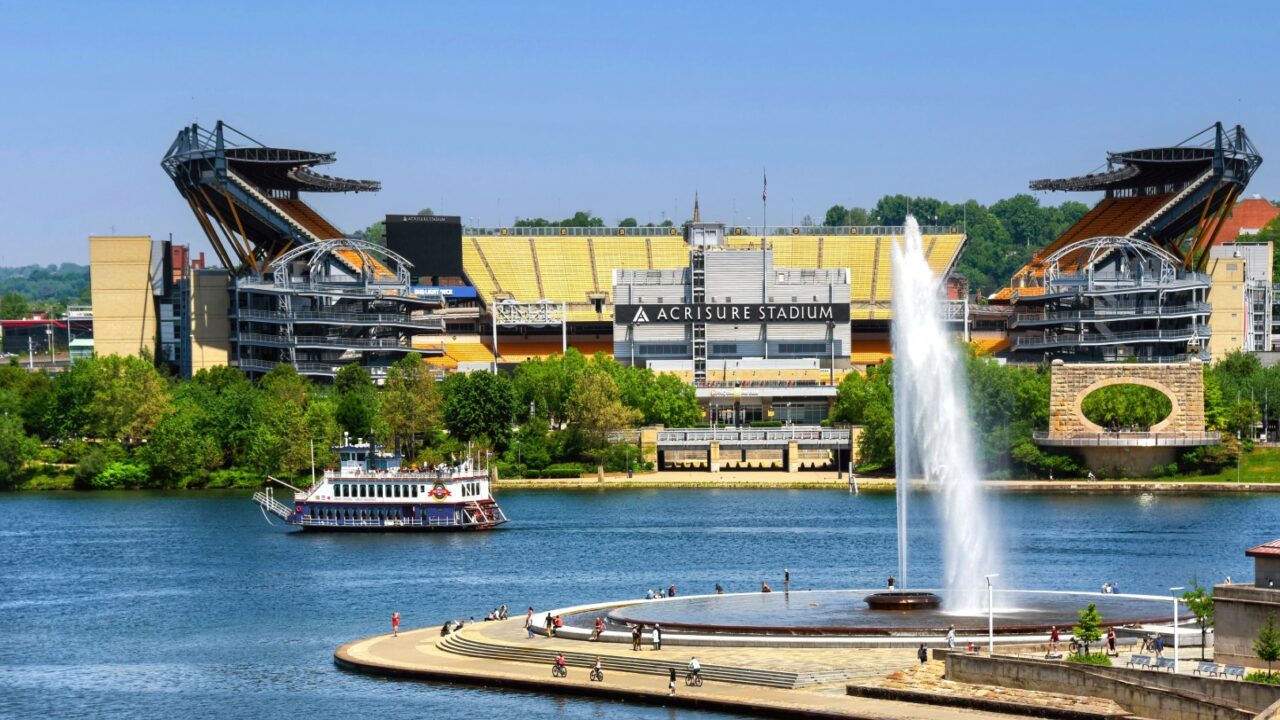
(1152, 694)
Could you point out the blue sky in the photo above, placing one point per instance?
(497, 110)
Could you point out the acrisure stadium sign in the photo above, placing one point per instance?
(738, 313)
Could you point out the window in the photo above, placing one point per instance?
(729, 349)
(803, 348)
(663, 349)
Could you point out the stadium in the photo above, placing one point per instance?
(764, 322)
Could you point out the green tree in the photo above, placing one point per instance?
(181, 446)
(868, 401)
(1200, 602)
(357, 400)
(1126, 405)
(627, 222)
(128, 399)
(281, 442)
(376, 233)
(16, 448)
(426, 212)
(1025, 221)
(13, 306)
(594, 410)
(1089, 628)
(1267, 645)
(479, 405)
(410, 404)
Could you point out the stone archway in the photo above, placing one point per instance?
(1183, 383)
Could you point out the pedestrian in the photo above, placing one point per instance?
(1050, 476)
(889, 584)
(951, 637)
(599, 628)
(720, 590)
(671, 681)
(551, 626)
(1159, 645)
(671, 591)
(1111, 642)
(764, 587)
(657, 636)
(528, 623)
(786, 580)
(1053, 639)
(923, 654)
(1115, 588)
(649, 594)
(395, 624)
(635, 638)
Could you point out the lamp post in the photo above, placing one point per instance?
(1174, 590)
(48, 331)
(991, 616)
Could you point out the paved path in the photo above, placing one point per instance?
(418, 654)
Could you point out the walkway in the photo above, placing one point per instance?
(504, 656)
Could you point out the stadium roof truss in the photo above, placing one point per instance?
(244, 194)
(1084, 256)
(317, 254)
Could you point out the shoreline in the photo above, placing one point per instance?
(826, 480)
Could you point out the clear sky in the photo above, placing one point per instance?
(504, 109)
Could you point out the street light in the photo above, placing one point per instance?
(1174, 590)
(991, 617)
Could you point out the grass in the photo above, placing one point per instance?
(1262, 465)
(1090, 659)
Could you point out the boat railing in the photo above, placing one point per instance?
(375, 476)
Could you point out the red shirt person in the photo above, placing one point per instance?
(395, 624)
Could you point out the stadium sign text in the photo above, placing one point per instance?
(736, 313)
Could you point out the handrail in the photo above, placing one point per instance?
(338, 317)
(313, 340)
(1187, 333)
(1113, 312)
(730, 230)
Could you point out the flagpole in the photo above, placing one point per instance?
(764, 255)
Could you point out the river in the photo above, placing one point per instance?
(148, 605)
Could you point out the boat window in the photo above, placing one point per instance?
(364, 491)
(396, 490)
(413, 490)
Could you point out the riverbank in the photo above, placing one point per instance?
(827, 480)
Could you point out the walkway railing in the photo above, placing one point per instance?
(802, 434)
(1126, 439)
(729, 230)
(1113, 313)
(341, 318)
(1096, 338)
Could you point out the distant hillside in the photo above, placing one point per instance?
(47, 284)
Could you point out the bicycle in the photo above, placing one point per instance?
(597, 675)
(693, 679)
(559, 671)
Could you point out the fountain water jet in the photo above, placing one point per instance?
(932, 429)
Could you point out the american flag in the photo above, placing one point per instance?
(764, 196)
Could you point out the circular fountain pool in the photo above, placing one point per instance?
(845, 612)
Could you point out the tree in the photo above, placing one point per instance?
(281, 442)
(357, 400)
(13, 306)
(1200, 603)
(1089, 629)
(410, 404)
(15, 447)
(594, 410)
(376, 233)
(1267, 645)
(426, 212)
(627, 222)
(1126, 405)
(128, 399)
(181, 447)
(479, 405)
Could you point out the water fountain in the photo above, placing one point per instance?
(932, 435)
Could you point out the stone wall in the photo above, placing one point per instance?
(1162, 696)
(1239, 610)
(1183, 383)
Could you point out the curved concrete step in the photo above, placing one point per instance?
(458, 644)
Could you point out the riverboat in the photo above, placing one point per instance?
(369, 490)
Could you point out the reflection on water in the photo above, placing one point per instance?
(151, 605)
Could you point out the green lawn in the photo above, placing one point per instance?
(1262, 465)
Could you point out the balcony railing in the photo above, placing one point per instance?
(1094, 338)
(426, 322)
(1112, 313)
(803, 435)
(729, 231)
(321, 341)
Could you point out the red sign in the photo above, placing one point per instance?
(439, 491)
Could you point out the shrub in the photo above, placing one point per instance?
(48, 455)
(234, 478)
(121, 474)
(1262, 676)
(766, 423)
(94, 461)
(565, 470)
(1091, 659)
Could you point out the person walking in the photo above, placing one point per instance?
(951, 637)
(889, 583)
(671, 681)
(1053, 639)
(786, 580)
(657, 636)
(1159, 645)
(395, 624)
(923, 654)
(1111, 642)
(528, 623)
(551, 626)
(635, 638)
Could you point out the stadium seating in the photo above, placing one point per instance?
(565, 267)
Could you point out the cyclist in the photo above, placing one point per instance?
(560, 667)
(597, 671)
(695, 668)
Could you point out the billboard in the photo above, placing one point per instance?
(451, 292)
(684, 313)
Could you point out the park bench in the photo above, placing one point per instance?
(1164, 664)
(1207, 668)
(1139, 662)
(1233, 671)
